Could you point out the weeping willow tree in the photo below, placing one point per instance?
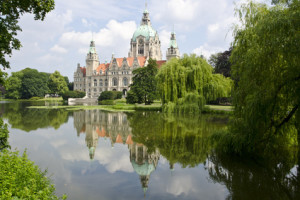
(266, 70)
(186, 84)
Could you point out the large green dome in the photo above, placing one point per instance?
(144, 30)
(144, 169)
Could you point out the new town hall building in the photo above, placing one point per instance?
(117, 75)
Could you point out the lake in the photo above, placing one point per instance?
(93, 154)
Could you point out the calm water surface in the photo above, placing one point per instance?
(113, 155)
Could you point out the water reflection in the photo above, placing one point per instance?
(91, 153)
(23, 118)
(115, 127)
(277, 178)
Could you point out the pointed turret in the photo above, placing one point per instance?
(146, 18)
(173, 50)
(92, 59)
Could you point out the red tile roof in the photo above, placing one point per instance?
(160, 63)
(83, 70)
(141, 60)
(129, 140)
(102, 67)
(119, 139)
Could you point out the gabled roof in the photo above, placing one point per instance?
(83, 70)
(130, 60)
(160, 63)
(102, 67)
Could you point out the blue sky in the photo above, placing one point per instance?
(62, 39)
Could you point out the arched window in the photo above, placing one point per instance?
(115, 82)
(95, 82)
(141, 47)
(125, 81)
(100, 82)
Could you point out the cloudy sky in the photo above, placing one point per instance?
(62, 39)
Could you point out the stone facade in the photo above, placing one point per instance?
(117, 75)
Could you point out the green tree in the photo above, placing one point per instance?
(11, 11)
(57, 83)
(69, 84)
(144, 83)
(221, 63)
(186, 84)
(266, 69)
(34, 83)
(13, 86)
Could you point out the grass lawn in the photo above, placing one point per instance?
(218, 107)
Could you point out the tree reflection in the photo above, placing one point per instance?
(20, 117)
(180, 139)
(245, 179)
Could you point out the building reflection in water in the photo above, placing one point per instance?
(115, 127)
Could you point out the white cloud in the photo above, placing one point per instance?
(57, 49)
(164, 37)
(207, 50)
(213, 27)
(62, 39)
(116, 35)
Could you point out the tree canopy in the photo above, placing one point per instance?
(29, 83)
(266, 70)
(57, 83)
(221, 63)
(143, 88)
(190, 80)
(10, 12)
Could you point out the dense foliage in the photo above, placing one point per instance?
(180, 139)
(266, 70)
(221, 62)
(3, 135)
(190, 82)
(57, 83)
(26, 83)
(29, 83)
(21, 179)
(72, 94)
(11, 11)
(110, 95)
(143, 87)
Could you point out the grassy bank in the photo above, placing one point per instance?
(121, 105)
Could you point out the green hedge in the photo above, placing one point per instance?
(20, 178)
(110, 95)
(72, 94)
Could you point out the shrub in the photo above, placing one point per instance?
(3, 136)
(110, 95)
(72, 94)
(20, 178)
(131, 97)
